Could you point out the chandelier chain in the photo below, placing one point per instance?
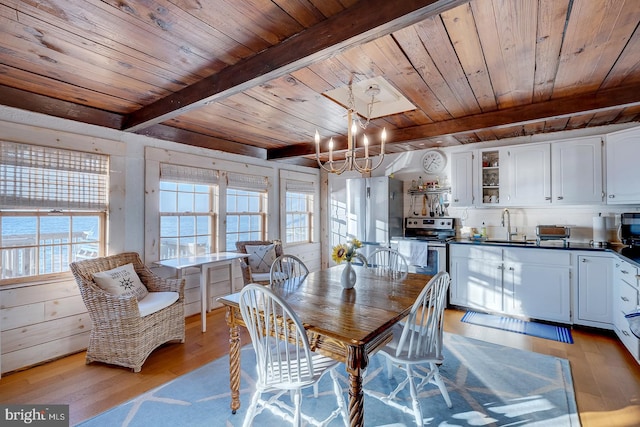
(373, 91)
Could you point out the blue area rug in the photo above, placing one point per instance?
(535, 329)
(488, 384)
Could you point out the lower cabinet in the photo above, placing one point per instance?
(476, 278)
(626, 298)
(527, 282)
(595, 294)
(545, 284)
(538, 290)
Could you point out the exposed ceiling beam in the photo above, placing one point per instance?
(615, 98)
(182, 136)
(29, 101)
(329, 37)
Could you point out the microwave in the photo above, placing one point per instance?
(630, 228)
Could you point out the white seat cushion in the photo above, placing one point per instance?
(260, 277)
(156, 301)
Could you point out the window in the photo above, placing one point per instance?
(54, 205)
(187, 211)
(246, 208)
(298, 211)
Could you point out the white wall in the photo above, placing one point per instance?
(45, 320)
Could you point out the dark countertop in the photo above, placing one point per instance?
(631, 254)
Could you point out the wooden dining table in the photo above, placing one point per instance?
(347, 325)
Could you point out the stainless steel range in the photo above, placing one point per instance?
(439, 229)
(424, 243)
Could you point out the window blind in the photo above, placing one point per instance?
(192, 175)
(247, 182)
(300, 187)
(35, 177)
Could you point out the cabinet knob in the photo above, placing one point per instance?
(560, 198)
(511, 269)
(625, 332)
(624, 272)
(501, 267)
(456, 200)
(612, 196)
(625, 299)
(584, 260)
(547, 198)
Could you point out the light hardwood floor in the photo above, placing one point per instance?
(606, 378)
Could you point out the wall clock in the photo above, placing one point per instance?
(434, 161)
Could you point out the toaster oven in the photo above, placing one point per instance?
(630, 228)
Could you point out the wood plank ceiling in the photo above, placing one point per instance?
(247, 76)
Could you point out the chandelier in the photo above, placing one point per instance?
(353, 122)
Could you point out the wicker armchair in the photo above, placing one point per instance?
(119, 335)
(262, 278)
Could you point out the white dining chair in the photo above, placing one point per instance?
(287, 267)
(418, 341)
(388, 262)
(284, 360)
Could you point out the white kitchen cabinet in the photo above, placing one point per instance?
(490, 177)
(528, 282)
(462, 179)
(623, 173)
(528, 175)
(478, 284)
(626, 298)
(537, 284)
(595, 293)
(476, 277)
(576, 170)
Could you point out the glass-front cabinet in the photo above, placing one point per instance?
(489, 176)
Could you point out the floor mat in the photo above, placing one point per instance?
(535, 329)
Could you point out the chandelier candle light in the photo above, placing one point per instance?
(350, 162)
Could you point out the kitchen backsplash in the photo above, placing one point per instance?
(525, 220)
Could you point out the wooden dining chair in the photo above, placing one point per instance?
(388, 262)
(285, 362)
(287, 267)
(418, 341)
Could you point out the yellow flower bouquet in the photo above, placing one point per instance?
(348, 252)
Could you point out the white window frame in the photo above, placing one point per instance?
(212, 220)
(300, 182)
(249, 186)
(298, 192)
(154, 156)
(55, 182)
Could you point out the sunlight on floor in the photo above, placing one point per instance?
(625, 417)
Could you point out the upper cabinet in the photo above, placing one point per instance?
(565, 172)
(528, 175)
(623, 173)
(462, 179)
(490, 176)
(576, 169)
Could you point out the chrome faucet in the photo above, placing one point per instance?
(509, 233)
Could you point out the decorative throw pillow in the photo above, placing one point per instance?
(121, 280)
(261, 257)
